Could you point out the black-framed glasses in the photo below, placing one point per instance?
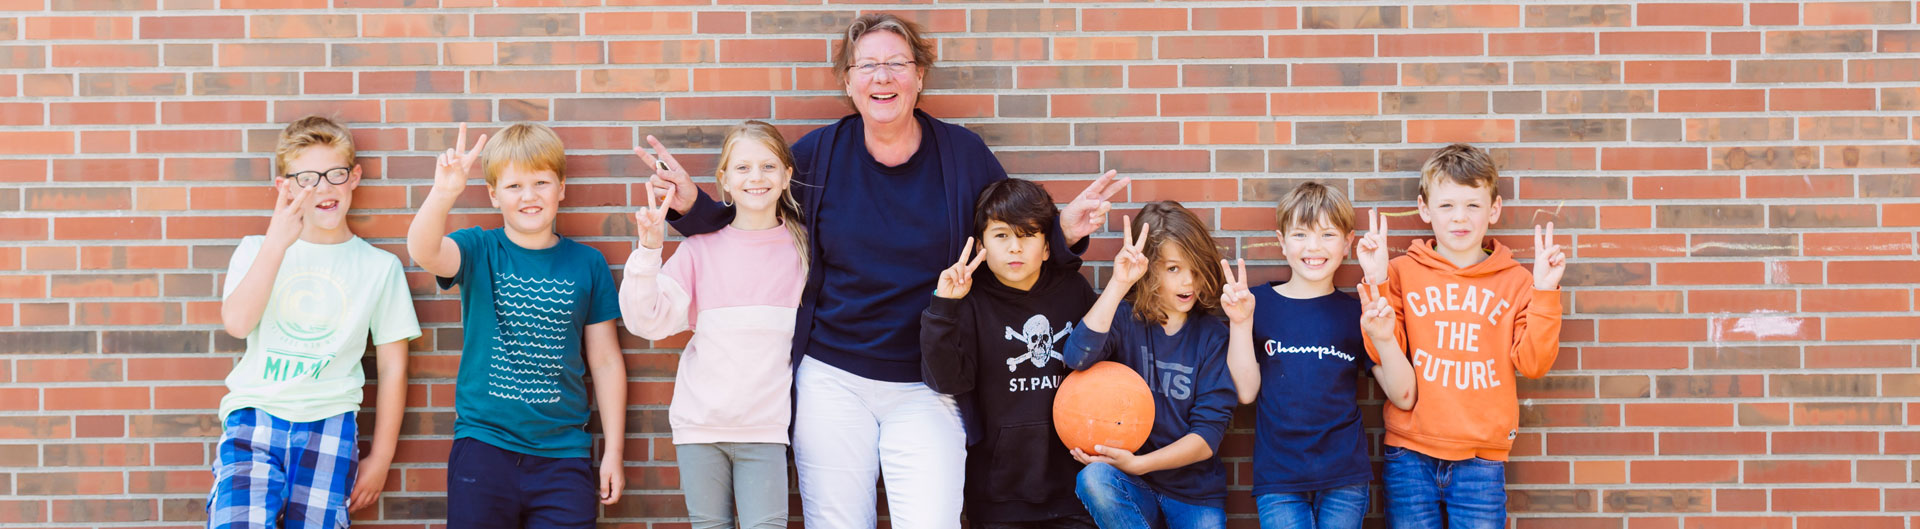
(874, 67)
(335, 176)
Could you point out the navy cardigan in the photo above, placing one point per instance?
(966, 165)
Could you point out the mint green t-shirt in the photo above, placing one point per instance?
(329, 301)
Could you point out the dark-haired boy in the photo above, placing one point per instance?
(992, 338)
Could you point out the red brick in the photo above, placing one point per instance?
(90, 113)
(79, 28)
(1689, 14)
(1828, 99)
(1661, 471)
(1651, 158)
(1679, 71)
(1244, 18)
(1135, 19)
(1826, 499)
(1312, 46)
(1712, 100)
(1796, 472)
(1430, 45)
(1521, 44)
(1857, 13)
(1653, 43)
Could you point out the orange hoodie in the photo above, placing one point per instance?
(1467, 330)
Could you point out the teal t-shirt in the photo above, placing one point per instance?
(522, 382)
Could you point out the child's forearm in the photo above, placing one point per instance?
(427, 236)
(241, 310)
(1187, 450)
(1394, 373)
(1100, 317)
(1241, 364)
(647, 307)
(609, 373)
(390, 400)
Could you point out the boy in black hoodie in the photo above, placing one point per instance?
(998, 351)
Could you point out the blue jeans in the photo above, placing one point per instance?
(1118, 500)
(1334, 508)
(1423, 492)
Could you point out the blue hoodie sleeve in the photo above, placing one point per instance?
(1213, 408)
(1085, 347)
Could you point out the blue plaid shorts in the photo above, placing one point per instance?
(277, 473)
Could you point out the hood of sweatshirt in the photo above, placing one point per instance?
(1499, 258)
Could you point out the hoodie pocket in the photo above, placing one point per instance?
(1019, 467)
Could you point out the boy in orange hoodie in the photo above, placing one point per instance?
(1468, 316)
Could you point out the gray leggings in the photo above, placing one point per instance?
(718, 477)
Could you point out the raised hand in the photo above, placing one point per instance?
(1549, 262)
(1131, 263)
(1372, 248)
(652, 222)
(450, 171)
(670, 179)
(957, 280)
(1376, 314)
(1087, 212)
(288, 220)
(1235, 298)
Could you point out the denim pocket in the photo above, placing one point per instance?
(1394, 452)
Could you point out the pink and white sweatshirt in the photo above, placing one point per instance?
(737, 290)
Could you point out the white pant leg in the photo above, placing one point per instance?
(923, 458)
(834, 435)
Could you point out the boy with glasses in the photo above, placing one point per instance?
(307, 296)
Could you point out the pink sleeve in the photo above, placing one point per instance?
(655, 303)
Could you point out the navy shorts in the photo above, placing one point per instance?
(489, 487)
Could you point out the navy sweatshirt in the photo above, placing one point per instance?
(872, 297)
(1192, 391)
(998, 351)
(1307, 431)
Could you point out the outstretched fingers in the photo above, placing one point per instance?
(665, 155)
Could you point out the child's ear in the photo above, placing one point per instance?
(1421, 203)
(353, 178)
(1493, 217)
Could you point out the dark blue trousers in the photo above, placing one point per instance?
(490, 487)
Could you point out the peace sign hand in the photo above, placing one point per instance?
(652, 222)
(1372, 248)
(450, 171)
(957, 280)
(1087, 212)
(670, 179)
(288, 216)
(1235, 298)
(1549, 262)
(1376, 314)
(1131, 263)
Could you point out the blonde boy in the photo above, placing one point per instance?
(1468, 317)
(531, 301)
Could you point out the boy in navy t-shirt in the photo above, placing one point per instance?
(1310, 465)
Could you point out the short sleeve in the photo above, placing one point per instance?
(393, 316)
(604, 301)
(241, 261)
(468, 240)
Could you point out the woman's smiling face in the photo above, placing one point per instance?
(880, 94)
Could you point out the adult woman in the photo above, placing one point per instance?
(888, 195)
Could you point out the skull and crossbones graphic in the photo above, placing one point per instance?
(1039, 336)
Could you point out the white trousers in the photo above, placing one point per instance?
(848, 428)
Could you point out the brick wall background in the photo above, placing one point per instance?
(1737, 181)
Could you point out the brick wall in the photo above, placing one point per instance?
(1737, 182)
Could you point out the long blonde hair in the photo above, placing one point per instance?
(788, 210)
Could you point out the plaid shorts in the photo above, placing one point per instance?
(276, 473)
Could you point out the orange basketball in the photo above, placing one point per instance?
(1107, 404)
